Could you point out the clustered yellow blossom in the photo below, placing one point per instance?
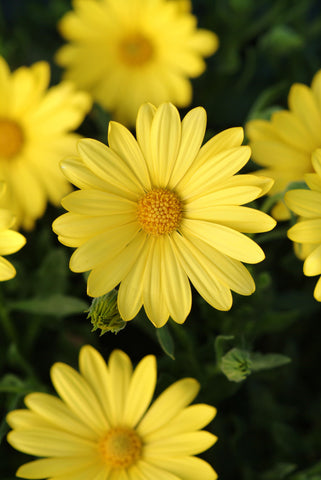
(129, 52)
(105, 426)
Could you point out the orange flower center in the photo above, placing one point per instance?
(136, 50)
(11, 138)
(121, 447)
(159, 212)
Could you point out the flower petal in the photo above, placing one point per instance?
(146, 471)
(168, 405)
(144, 121)
(43, 442)
(49, 467)
(123, 143)
(165, 142)
(96, 203)
(188, 443)
(193, 131)
(105, 276)
(7, 270)
(120, 374)
(308, 231)
(202, 274)
(312, 264)
(226, 240)
(188, 468)
(77, 394)
(302, 103)
(141, 390)
(304, 202)
(53, 410)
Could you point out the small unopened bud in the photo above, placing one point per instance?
(236, 365)
(104, 314)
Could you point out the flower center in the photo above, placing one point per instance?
(159, 211)
(121, 447)
(11, 138)
(136, 50)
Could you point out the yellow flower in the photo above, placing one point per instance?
(129, 52)
(158, 211)
(34, 136)
(10, 241)
(284, 145)
(103, 427)
(307, 231)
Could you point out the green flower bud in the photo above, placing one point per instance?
(236, 364)
(104, 314)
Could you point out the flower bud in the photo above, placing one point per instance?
(104, 313)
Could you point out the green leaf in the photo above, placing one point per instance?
(267, 361)
(279, 472)
(166, 341)
(56, 305)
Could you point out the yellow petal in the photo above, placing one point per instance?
(165, 141)
(52, 467)
(193, 130)
(25, 419)
(293, 131)
(188, 443)
(189, 468)
(189, 419)
(7, 270)
(123, 143)
(168, 405)
(308, 231)
(144, 121)
(78, 396)
(140, 391)
(304, 202)
(226, 240)
(43, 442)
(312, 264)
(120, 374)
(54, 411)
(144, 470)
(303, 104)
(216, 170)
(257, 130)
(317, 290)
(280, 155)
(96, 203)
(81, 176)
(202, 274)
(11, 242)
(103, 247)
(110, 273)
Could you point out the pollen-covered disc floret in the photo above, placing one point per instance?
(11, 138)
(159, 212)
(135, 49)
(121, 447)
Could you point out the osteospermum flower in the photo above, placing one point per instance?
(158, 211)
(130, 52)
(10, 240)
(284, 145)
(307, 231)
(35, 126)
(103, 426)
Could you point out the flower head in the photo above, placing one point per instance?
(103, 425)
(35, 126)
(151, 214)
(307, 231)
(10, 240)
(284, 145)
(131, 52)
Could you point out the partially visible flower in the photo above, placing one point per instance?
(158, 211)
(35, 126)
(307, 231)
(284, 145)
(103, 425)
(10, 240)
(126, 53)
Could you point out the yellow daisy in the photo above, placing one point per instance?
(102, 427)
(284, 145)
(10, 240)
(307, 231)
(35, 126)
(158, 211)
(129, 52)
